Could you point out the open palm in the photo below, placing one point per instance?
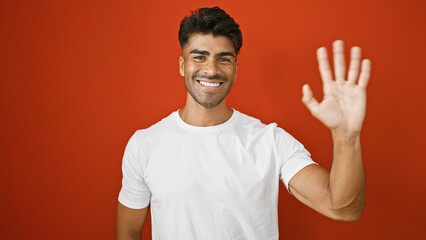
(344, 103)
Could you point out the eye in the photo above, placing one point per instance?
(199, 58)
(224, 60)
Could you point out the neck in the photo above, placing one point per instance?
(195, 114)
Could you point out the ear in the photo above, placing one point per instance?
(181, 66)
(237, 63)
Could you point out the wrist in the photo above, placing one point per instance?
(342, 136)
(344, 133)
(346, 143)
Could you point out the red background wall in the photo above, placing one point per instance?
(79, 77)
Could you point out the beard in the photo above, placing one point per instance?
(208, 99)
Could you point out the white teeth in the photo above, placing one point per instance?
(207, 84)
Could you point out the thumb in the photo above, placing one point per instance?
(310, 102)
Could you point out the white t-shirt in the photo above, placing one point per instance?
(205, 183)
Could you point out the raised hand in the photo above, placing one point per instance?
(343, 106)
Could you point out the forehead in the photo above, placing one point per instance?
(208, 42)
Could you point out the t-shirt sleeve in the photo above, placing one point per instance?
(134, 192)
(294, 156)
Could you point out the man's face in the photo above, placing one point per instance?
(209, 66)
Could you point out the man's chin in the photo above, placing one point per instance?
(209, 104)
(207, 100)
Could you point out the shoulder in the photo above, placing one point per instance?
(148, 136)
(272, 131)
(251, 123)
(246, 121)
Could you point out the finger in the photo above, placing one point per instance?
(354, 66)
(365, 73)
(324, 66)
(308, 99)
(339, 60)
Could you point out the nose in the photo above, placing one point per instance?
(210, 68)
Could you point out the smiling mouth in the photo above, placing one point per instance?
(210, 84)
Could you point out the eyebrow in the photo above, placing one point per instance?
(221, 54)
(203, 52)
(196, 51)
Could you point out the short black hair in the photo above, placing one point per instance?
(210, 20)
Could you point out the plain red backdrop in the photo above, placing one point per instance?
(79, 77)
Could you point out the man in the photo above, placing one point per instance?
(210, 172)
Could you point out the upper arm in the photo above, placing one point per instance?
(130, 222)
(310, 186)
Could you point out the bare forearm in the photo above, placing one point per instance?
(129, 237)
(347, 179)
